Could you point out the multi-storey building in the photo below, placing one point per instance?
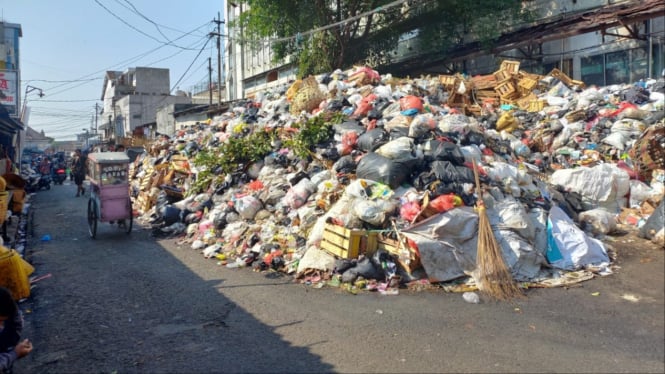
(131, 100)
(11, 128)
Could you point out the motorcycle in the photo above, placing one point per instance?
(60, 176)
(32, 182)
(44, 182)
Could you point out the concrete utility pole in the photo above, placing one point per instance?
(219, 22)
(96, 112)
(210, 79)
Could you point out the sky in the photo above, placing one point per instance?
(68, 45)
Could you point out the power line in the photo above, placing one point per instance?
(65, 81)
(131, 59)
(136, 29)
(66, 101)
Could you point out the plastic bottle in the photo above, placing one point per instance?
(471, 297)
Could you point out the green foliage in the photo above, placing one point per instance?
(314, 131)
(440, 25)
(237, 152)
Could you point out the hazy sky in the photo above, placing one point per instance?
(68, 45)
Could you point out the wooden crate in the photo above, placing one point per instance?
(502, 75)
(447, 81)
(507, 90)
(536, 106)
(558, 74)
(513, 67)
(404, 254)
(525, 101)
(484, 82)
(343, 242)
(526, 85)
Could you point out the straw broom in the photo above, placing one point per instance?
(492, 274)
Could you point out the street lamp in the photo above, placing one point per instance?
(29, 89)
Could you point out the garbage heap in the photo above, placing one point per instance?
(367, 181)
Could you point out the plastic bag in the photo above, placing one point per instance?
(436, 150)
(447, 172)
(445, 203)
(374, 212)
(568, 247)
(598, 221)
(372, 139)
(298, 194)
(378, 168)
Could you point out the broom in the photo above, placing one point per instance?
(492, 274)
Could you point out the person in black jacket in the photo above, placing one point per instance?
(11, 326)
(79, 170)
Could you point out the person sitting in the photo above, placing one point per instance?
(11, 326)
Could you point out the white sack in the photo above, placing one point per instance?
(568, 247)
(447, 243)
(602, 184)
(317, 259)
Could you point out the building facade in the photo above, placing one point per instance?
(600, 42)
(131, 100)
(12, 132)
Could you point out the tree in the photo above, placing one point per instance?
(323, 35)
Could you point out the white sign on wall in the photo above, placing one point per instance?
(9, 91)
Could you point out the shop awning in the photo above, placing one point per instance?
(8, 124)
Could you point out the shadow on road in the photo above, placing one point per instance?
(124, 303)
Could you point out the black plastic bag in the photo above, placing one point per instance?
(372, 139)
(447, 172)
(345, 165)
(473, 138)
(365, 268)
(436, 150)
(383, 170)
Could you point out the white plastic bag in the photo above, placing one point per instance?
(568, 247)
(599, 220)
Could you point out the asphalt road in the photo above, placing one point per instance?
(135, 304)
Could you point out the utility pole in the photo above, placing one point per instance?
(219, 22)
(210, 79)
(96, 112)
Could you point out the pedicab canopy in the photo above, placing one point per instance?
(108, 168)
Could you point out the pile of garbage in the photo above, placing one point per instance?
(366, 181)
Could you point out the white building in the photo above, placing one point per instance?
(132, 99)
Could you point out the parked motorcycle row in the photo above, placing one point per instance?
(38, 177)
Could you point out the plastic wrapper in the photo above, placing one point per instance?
(446, 202)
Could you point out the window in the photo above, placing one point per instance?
(616, 68)
(592, 70)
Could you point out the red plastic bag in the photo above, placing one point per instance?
(445, 203)
(411, 102)
(409, 211)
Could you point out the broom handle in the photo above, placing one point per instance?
(475, 176)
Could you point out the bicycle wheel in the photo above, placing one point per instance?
(92, 218)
